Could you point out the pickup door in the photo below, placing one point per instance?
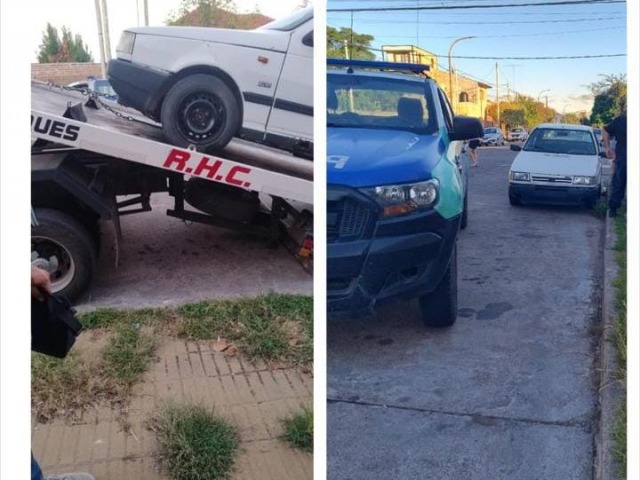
(292, 112)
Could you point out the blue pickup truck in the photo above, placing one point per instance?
(396, 193)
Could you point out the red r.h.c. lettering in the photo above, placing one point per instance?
(179, 157)
(231, 176)
(210, 168)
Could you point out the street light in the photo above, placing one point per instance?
(546, 90)
(450, 78)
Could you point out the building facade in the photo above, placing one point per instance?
(467, 96)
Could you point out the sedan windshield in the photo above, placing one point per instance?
(360, 101)
(561, 140)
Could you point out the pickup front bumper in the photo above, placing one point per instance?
(403, 257)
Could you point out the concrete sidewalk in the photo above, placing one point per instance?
(253, 396)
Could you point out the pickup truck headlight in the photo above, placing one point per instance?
(580, 180)
(519, 176)
(401, 199)
(125, 45)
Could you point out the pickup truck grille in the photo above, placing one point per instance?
(347, 219)
(549, 179)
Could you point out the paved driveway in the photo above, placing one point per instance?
(508, 392)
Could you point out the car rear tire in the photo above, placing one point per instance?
(201, 110)
(439, 308)
(61, 236)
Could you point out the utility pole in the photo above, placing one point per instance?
(107, 41)
(346, 55)
(146, 13)
(498, 96)
(103, 64)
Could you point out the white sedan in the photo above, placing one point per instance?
(559, 164)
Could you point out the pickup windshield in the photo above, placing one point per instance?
(362, 101)
(561, 140)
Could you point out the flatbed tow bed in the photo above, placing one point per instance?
(86, 160)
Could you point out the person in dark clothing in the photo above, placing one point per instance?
(617, 129)
(473, 154)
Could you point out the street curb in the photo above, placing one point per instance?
(611, 392)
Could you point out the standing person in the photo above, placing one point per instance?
(617, 129)
(473, 154)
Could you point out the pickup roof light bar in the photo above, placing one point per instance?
(376, 65)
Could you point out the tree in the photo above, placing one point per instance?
(359, 44)
(610, 98)
(202, 13)
(65, 49)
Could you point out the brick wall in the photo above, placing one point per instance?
(64, 73)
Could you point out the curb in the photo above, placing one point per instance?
(611, 392)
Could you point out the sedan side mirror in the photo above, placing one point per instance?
(466, 128)
(515, 148)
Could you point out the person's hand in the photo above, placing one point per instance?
(40, 283)
(610, 154)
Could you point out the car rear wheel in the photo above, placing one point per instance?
(440, 308)
(201, 110)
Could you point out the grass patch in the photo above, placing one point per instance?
(298, 429)
(194, 443)
(620, 338)
(127, 355)
(109, 317)
(271, 327)
(65, 387)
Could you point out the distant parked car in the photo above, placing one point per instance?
(559, 164)
(492, 136)
(517, 135)
(98, 85)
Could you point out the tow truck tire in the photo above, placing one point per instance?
(62, 236)
(465, 211)
(440, 308)
(200, 110)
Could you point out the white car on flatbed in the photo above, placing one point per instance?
(559, 164)
(207, 85)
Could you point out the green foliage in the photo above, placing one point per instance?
(610, 98)
(62, 49)
(128, 353)
(359, 44)
(195, 443)
(203, 13)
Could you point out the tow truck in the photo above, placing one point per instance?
(94, 161)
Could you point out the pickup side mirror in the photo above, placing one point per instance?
(515, 148)
(466, 128)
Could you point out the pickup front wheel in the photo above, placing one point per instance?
(200, 110)
(440, 307)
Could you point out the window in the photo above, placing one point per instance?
(464, 97)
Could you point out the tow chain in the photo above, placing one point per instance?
(96, 98)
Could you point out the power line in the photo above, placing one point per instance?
(466, 7)
(429, 37)
(438, 22)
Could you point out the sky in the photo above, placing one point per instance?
(570, 30)
(80, 17)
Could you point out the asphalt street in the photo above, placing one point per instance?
(508, 392)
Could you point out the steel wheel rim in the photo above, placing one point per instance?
(46, 248)
(201, 116)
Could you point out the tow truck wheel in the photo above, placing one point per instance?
(465, 211)
(64, 243)
(440, 307)
(200, 110)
